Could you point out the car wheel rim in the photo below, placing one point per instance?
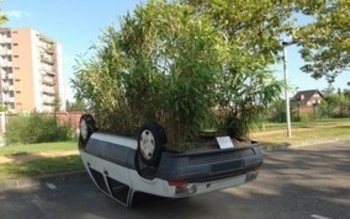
(147, 144)
(83, 129)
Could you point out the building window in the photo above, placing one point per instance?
(11, 106)
(18, 104)
(18, 92)
(16, 68)
(15, 44)
(11, 81)
(11, 93)
(17, 80)
(15, 31)
(16, 56)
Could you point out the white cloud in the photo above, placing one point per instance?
(17, 14)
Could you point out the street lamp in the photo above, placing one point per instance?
(284, 45)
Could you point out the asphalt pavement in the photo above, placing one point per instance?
(309, 182)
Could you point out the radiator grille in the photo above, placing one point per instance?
(222, 156)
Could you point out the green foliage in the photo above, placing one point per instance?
(56, 103)
(307, 117)
(36, 128)
(78, 105)
(177, 64)
(326, 40)
(3, 108)
(277, 111)
(337, 105)
(3, 18)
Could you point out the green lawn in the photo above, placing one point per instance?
(40, 167)
(36, 148)
(303, 136)
(321, 122)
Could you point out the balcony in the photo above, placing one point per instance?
(48, 91)
(48, 108)
(48, 60)
(3, 71)
(47, 101)
(45, 39)
(5, 63)
(5, 40)
(4, 76)
(5, 52)
(49, 49)
(52, 73)
(45, 71)
(48, 81)
(5, 88)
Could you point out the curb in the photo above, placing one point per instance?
(40, 180)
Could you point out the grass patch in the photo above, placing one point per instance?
(303, 136)
(40, 167)
(321, 122)
(36, 148)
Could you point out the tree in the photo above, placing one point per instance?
(326, 40)
(325, 44)
(3, 18)
(277, 111)
(56, 103)
(175, 63)
(329, 90)
(336, 105)
(77, 105)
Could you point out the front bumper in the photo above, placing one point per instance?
(211, 186)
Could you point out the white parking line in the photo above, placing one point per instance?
(319, 217)
(51, 186)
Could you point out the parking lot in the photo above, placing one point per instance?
(309, 182)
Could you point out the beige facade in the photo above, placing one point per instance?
(31, 71)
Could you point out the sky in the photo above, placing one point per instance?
(76, 25)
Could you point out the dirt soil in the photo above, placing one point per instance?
(37, 156)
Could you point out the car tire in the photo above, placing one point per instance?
(151, 140)
(87, 126)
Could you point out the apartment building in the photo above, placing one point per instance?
(31, 71)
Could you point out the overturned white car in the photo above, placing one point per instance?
(120, 166)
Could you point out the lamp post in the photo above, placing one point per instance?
(285, 44)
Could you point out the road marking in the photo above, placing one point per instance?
(51, 186)
(319, 217)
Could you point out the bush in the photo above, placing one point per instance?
(307, 117)
(36, 128)
(169, 64)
